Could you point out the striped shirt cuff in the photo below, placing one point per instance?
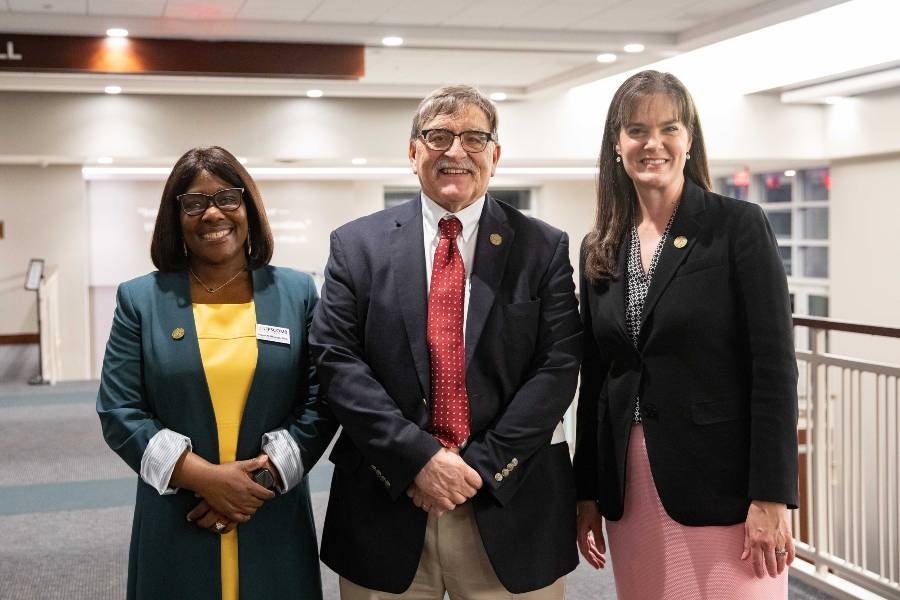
(159, 459)
(282, 450)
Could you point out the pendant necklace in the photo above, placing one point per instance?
(210, 290)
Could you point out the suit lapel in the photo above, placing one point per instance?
(487, 270)
(408, 268)
(177, 312)
(686, 224)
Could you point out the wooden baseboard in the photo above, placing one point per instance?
(19, 338)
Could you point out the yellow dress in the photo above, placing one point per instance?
(227, 337)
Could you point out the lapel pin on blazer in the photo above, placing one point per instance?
(680, 242)
(177, 333)
(496, 239)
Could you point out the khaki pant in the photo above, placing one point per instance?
(454, 561)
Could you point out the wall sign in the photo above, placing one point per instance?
(79, 54)
(9, 52)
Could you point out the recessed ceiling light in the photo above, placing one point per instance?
(498, 96)
(112, 89)
(790, 173)
(105, 160)
(633, 48)
(116, 32)
(359, 161)
(315, 93)
(242, 160)
(606, 57)
(392, 40)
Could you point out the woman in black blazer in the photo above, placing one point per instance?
(686, 438)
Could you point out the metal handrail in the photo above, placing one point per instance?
(849, 326)
(847, 526)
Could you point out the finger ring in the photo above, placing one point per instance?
(220, 525)
(781, 552)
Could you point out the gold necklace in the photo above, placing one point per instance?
(210, 290)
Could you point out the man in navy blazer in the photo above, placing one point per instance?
(477, 501)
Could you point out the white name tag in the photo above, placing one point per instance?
(270, 333)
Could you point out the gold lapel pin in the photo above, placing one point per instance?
(680, 241)
(496, 239)
(177, 333)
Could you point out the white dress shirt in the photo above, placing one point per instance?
(432, 213)
(166, 447)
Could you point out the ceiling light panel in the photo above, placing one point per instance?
(202, 11)
(278, 10)
(57, 7)
(126, 8)
(349, 11)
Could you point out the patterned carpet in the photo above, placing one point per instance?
(66, 502)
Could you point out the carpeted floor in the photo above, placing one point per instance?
(66, 503)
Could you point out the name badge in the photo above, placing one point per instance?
(270, 333)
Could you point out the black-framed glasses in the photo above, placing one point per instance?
(195, 203)
(472, 140)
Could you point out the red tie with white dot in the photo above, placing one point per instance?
(449, 400)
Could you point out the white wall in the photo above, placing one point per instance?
(562, 128)
(45, 216)
(83, 126)
(865, 253)
(570, 206)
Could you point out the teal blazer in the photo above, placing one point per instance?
(151, 381)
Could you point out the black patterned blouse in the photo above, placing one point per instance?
(637, 284)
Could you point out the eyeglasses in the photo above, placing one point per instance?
(195, 203)
(441, 139)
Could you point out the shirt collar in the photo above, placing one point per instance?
(432, 212)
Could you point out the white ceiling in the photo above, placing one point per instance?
(521, 47)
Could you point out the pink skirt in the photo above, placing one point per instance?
(655, 557)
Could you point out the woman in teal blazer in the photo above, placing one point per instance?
(155, 402)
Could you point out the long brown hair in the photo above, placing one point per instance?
(616, 196)
(167, 249)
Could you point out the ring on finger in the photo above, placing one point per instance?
(219, 526)
(781, 552)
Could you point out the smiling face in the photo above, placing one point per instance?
(653, 144)
(455, 178)
(215, 237)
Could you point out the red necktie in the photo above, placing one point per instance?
(449, 401)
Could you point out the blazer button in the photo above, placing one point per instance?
(514, 462)
(498, 477)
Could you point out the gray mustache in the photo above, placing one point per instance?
(446, 164)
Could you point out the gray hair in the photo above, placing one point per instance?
(452, 100)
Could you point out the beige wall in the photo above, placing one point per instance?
(568, 205)
(45, 216)
(865, 253)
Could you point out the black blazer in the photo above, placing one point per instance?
(714, 368)
(523, 348)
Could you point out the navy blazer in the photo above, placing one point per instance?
(151, 381)
(523, 347)
(714, 368)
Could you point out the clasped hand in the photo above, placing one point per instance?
(445, 482)
(229, 495)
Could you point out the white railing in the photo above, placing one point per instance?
(848, 526)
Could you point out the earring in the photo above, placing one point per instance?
(618, 158)
(184, 246)
(687, 156)
(249, 247)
